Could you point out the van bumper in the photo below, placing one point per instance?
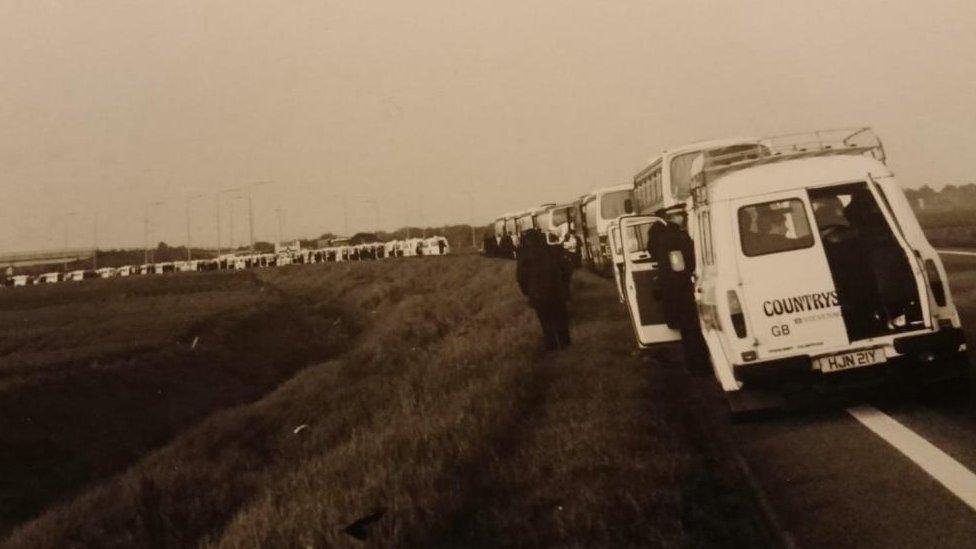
(925, 359)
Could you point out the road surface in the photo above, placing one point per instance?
(875, 474)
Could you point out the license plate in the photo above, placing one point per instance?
(849, 361)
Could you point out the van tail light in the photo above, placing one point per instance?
(735, 311)
(935, 282)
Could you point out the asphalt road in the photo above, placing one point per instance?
(873, 473)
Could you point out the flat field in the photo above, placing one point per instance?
(400, 402)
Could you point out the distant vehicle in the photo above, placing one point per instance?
(437, 245)
(185, 266)
(105, 272)
(666, 180)
(49, 278)
(511, 228)
(125, 270)
(554, 222)
(18, 280)
(599, 209)
(207, 265)
(411, 246)
(79, 275)
(664, 183)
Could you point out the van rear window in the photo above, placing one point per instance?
(616, 204)
(773, 227)
(559, 217)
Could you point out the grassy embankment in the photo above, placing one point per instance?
(441, 424)
(94, 375)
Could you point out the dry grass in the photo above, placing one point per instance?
(95, 375)
(444, 421)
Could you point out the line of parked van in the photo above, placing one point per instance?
(811, 270)
(434, 245)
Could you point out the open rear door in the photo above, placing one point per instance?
(616, 256)
(641, 285)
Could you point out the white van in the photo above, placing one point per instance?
(812, 272)
(437, 245)
(49, 278)
(600, 208)
(553, 221)
(411, 246)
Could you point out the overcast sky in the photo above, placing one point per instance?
(106, 107)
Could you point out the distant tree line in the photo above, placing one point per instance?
(948, 215)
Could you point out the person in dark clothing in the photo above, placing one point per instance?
(674, 251)
(440, 246)
(490, 246)
(542, 275)
(506, 247)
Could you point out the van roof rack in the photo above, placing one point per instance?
(846, 141)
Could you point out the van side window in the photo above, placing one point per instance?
(773, 227)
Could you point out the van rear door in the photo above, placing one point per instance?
(785, 285)
(641, 290)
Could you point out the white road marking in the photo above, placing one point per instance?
(939, 465)
(956, 252)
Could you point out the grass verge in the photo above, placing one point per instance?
(443, 424)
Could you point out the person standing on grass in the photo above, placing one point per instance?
(506, 247)
(542, 275)
(672, 248)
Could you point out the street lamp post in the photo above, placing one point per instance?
(250, 208)
(278, 215)
(420, 214)
(68, 215)
(95, 241)
(217, 198)
(471, 216)
(147, 230)
(345, 214)
(376, 213)
(189, 254)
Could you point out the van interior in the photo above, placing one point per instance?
(875, 284)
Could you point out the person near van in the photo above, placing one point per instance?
(672, 248)
(773, 232)
(506, 247)
(440, 246)
(489, 246)
(542, 275)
